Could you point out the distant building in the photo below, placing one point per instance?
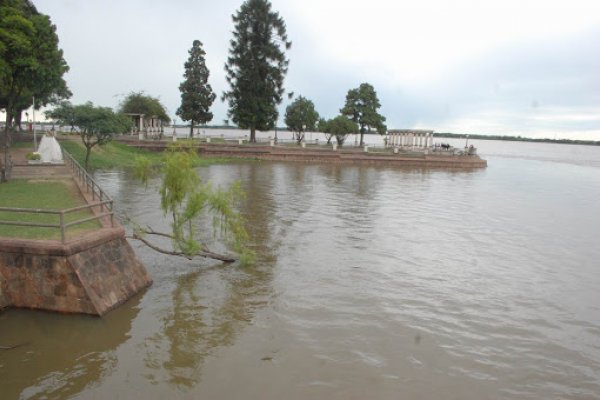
(149, 126)
(410, 137)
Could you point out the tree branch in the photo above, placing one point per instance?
(204, 253)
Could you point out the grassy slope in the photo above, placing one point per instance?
(110, 155)
(116, 155)
(45, 195)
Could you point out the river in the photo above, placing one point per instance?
(370, 283)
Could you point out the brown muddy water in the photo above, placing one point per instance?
(371, 283)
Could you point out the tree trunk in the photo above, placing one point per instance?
(18, 117)
(361, 138)
(253, 135)
(192, 129)
(88, 151)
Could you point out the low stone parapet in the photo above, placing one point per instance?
(326, 155)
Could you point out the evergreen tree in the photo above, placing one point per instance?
(197, 95)
(361, 107)
(256, 66)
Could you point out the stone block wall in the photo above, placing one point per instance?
(3, 302)
(89, 276)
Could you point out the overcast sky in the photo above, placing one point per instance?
(513, 67)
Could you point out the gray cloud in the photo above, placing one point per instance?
(533, 87)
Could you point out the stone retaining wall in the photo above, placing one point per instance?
(92, 275)
(340, 156)
(3, 302)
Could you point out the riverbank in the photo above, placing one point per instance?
(61, 247)
(319, 154)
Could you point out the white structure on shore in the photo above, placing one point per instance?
(413, 138)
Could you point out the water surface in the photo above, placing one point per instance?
(377, 283)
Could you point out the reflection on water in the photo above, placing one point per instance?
(60, 356)
(370, 282)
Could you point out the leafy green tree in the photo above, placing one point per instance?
(256, 66)
(97, 125)
(341, 127)
(188, 201)
(140, 103)
(197, 95)
(300, 116)
(31, 63)
(361, 106)
(323, 127)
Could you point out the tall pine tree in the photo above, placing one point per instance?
(256, 66)
(196, 93)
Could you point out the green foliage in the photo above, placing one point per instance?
(187, 200)
(256, 66)
(197, 95)
(140, 103)
(300, 116)
(97, 125)
(341, 127)
(33, 156)
(323, 126)
(31, 63)
(361, 106)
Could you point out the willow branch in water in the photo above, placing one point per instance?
(204, 253)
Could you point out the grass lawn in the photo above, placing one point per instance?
(116, 155)
(46, 195)
(110, 155)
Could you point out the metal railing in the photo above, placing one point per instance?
(104, 201)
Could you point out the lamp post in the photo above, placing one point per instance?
(33, 116)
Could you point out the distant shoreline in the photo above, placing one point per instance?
(516, 139)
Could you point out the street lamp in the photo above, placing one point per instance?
(33, 116)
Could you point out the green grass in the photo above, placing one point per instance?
(120, 155)
(46, 195)
(110, 155)
(23, 145)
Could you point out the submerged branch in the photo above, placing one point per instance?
(204, 253)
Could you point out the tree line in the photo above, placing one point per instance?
(32, 66)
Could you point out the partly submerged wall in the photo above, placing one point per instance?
(92, 275)
(323, 155)
(3, 302)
